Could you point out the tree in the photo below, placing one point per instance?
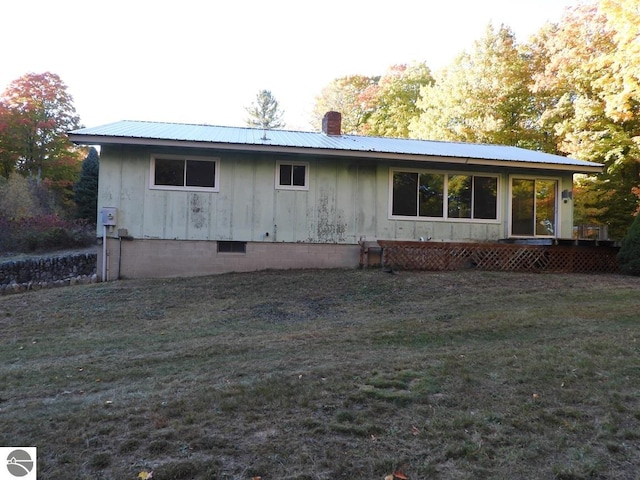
(629, 253)
(16, 198)
(8, 160)
(394, 103)
(375, 105)
(587, 72)
(482, 97)
(23, 197)
(86, 189)
(353, 96)
(265, 112)
(590, 203)
(620, 83)
(36, 112)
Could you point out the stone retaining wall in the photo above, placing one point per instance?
(56, 271)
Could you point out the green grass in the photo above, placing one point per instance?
(339, 374)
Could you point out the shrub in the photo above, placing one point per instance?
(629, 254)
(16, 197)
(22, 197)
(44, 233)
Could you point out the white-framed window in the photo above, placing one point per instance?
(180, 172)
(421, 194)
(534, 206)
(292, 175)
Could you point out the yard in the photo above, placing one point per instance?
(337, 374)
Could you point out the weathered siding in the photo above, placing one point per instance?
(347, 199)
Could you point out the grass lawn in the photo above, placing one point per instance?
(337, 374)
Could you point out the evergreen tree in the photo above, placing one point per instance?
(629, 254)
(265, 112)
(86, 189)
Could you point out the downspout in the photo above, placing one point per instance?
(104, 253)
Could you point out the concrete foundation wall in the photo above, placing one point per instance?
(187, 258)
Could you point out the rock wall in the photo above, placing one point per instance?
(55, 271)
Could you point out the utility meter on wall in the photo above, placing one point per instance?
(108, 216)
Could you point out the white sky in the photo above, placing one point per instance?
(204, 61)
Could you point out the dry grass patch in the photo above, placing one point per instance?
(327, 375)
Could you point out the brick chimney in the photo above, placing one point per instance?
(332, 123)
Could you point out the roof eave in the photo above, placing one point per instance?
(82, 139)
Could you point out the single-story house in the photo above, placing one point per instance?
(182, 200)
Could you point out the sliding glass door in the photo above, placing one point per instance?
(533, 207)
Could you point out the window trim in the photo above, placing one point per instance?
(445, 214)
(278, 186)
(184, 188)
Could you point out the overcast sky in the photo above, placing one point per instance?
(204, 61)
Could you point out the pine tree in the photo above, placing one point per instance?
(265, 112)
(86, 189)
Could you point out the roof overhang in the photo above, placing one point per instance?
(92, 139)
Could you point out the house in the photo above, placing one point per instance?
(183, 200)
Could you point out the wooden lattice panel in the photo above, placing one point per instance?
(497, 256)
(583, 259)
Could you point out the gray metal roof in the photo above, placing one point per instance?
(286, 141)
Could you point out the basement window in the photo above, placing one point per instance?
(292, 176)
(184, 173)
(227, 246)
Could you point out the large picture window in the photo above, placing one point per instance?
(184, 173)
(438, 195)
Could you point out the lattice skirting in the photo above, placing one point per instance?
(497, 256)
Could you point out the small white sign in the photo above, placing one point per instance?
(18, 463)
